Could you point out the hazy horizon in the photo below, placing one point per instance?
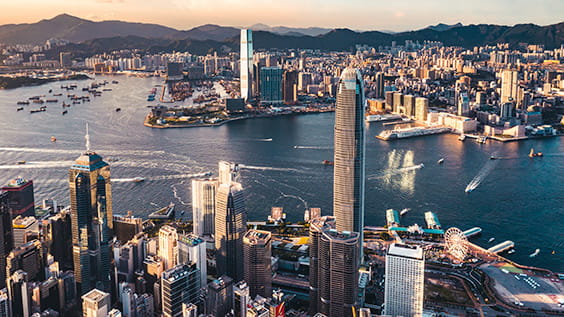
(355, 14)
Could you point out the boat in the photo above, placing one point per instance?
(481, 139)
(20, 109)
(410, 132)
(462, 137)
(532, 154)
(23, 102)
(208, 174)
(138, 179)
(107, 89)
(112, 159)
(57, 95)
(441, 160)
(53, 138)
(163, 213)
(36, 110)
(404, 211)
(64, 112)
(21, 162)
(118, 109)
(76, 102)
(491, 240)
(50, 90)
(511, 251)
(52, 100)
(384, 117)
(115, 82)
(532, 255)
(493, 157)
(182, 212)
(37, 101)
(326, 162)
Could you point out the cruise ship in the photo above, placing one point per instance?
(410, 132)
(382, 117)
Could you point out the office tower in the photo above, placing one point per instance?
(228, 172)
(389, 95)
(421, 108)
(65, 59)
(28, 258)
(50, 295)
(379, 85)
(290, 86)
(316, 227)
(135, 305)
(59, 235)
(463, 104)
(338, 256)
(189, 310)
(18, 294)
(203, 206)
(192, 249)
(241, 298)
(230, 226)
(96, 304)
(4, 303)
(220, 296)
(409, 105)
(246, 72)
(271, 85)
(304, 79)
(20, 197)
(24, 230)
(509, 86)
(168, 238)
(403, 293)
(257, 262)
(180, 284)
(397, 102)
(6, 236)
(91, 218)
(481, 98)
(506, 110)
(348, 182)
(174, 71)
(126, 227)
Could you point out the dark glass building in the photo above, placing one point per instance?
(6, 236)
(20, 197)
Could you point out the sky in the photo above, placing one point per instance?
(394, 15)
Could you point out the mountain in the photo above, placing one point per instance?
(283, 30)
(75, 29)
(443, 27)
(210, 32)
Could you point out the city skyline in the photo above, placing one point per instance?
(375, 15)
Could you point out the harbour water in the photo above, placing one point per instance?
(514, 198)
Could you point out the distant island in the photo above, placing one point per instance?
(22, 81)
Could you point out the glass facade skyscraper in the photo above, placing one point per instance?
(271, 85)
(246, 57)
(348, 185)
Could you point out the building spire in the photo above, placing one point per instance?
(87, 137)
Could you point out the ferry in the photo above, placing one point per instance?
(138, 179)
(383, 117)
(410, 132)
(441, 160)
(37, 101)
(491, 240)
(532, 255)
(404, 211)
(326, 162)
(532, 154)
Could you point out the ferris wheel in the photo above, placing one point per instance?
(456, 243)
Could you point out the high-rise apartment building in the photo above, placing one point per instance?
(180, 284)
(403, 293)
(91, 219)
(20, 197)
(421, 108)
(6, 236)
(203, 206)
(246, 71)
(192, 249)
(96, 304)
(348, 182)
(271, 85)
(290, 86)
(257, 252)
(168, 241)
(509, 84)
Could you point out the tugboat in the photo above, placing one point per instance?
(532, 154)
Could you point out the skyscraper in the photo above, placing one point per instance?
(168, 239)
(379, 85)
(91, 217)
(192, 249)
(203, 205)
(18, 293)
(509, 86)
(230, 226)
(180, 284)
(338, 272)
(241, 299)
(348, 186)
(403, 294)
(96, 304)
(290, 86)
(256, 253)
(271, 85)
(316, 227)
(220, 297)
(20, 197)
(6, 236)
(246, 57)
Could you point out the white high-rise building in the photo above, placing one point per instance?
(168, 249)
(96, 304)
(228, 172)
(192, 249)
(405, 267)
(246, 57)
(509, 86)
(203, 205)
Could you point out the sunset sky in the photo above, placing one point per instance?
(396, 15)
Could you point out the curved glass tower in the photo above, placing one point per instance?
(348, 183)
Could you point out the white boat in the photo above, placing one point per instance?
(441, 160)
(383, 117)
(138, 179)
(404, 211)
(410, 132)
(491, 240)
(511, 251)
(462, 137)
(532, 255)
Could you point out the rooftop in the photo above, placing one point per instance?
(407, 251)
(95, 295)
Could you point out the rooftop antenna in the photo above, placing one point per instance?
(87, 137)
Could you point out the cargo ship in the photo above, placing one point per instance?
(410, 132)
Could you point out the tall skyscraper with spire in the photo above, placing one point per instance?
(91, 220)
(348, 185)
(246, 57)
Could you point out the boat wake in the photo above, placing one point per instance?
(306, 147)
(267, 168)
(482, 174)
(161, 178)
(43, 164)
(36, 150)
